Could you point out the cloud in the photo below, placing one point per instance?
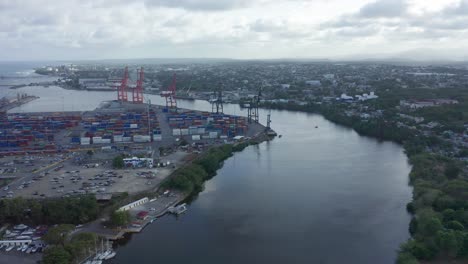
(393, 20)
(384, 8)
(261, 25)
(200, 5)
(225, 28)
(460, 9)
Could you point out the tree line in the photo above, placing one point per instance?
(71, 210)
(190, 178)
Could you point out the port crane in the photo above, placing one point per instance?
(170, 94)
(188, 90)
(137, 92)
(122, 88)
(217, 101)
(252, 108)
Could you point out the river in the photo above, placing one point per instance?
(316, 195)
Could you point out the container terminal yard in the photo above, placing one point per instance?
(70, 153)
(63, 154)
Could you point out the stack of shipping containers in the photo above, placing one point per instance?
(206, 125)
(120, 128)
(21, 133)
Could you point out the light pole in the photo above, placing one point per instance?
(149, 121)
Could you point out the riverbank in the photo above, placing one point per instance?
(185, 183)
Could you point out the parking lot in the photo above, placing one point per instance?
(18, 257)
(68, 178)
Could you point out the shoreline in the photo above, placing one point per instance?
(23, 101)
(180, 196)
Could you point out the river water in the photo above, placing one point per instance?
(316, 195)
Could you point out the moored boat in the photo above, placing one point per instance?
(177, 209)
(111, 255)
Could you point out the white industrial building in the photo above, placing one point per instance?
(136, 162)
(366, 97)
(134, 204)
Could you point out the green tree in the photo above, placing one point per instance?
(417, 249)
(183, 142)
(406, 258)
(35, 211)
(428, 225)
(449, 242)
(455, 225)
(118, 162)
(452, 170)
(57, 235)
(120, 218)
(449, 214)
(80, 244)
(56, 255)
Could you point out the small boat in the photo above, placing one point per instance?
(316, 126)
(9, 248)
(98, 256)
(178, 209)
(111, 255)
(24, 248)
(104, 254)
(29, 250)
(280, 136)
(271, 133)
(19, 248)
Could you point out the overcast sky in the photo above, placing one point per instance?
(335, 29)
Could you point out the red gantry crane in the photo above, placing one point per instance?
(122, 89)
(170, 94)
(137, 94)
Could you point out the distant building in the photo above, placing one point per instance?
(415, 104)
(313, 83)
(366, 97)
(365, 116)
(142, 215)
(345, 97)
(413, 118)
(98, 83)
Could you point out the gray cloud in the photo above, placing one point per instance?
(460, 9)
(280, 29)
(261, 25)
(200, 5)
(392, 20)
(176, 22)
(384, 8)
(221, 27)
(357, 32)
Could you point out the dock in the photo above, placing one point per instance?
(22, 101)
